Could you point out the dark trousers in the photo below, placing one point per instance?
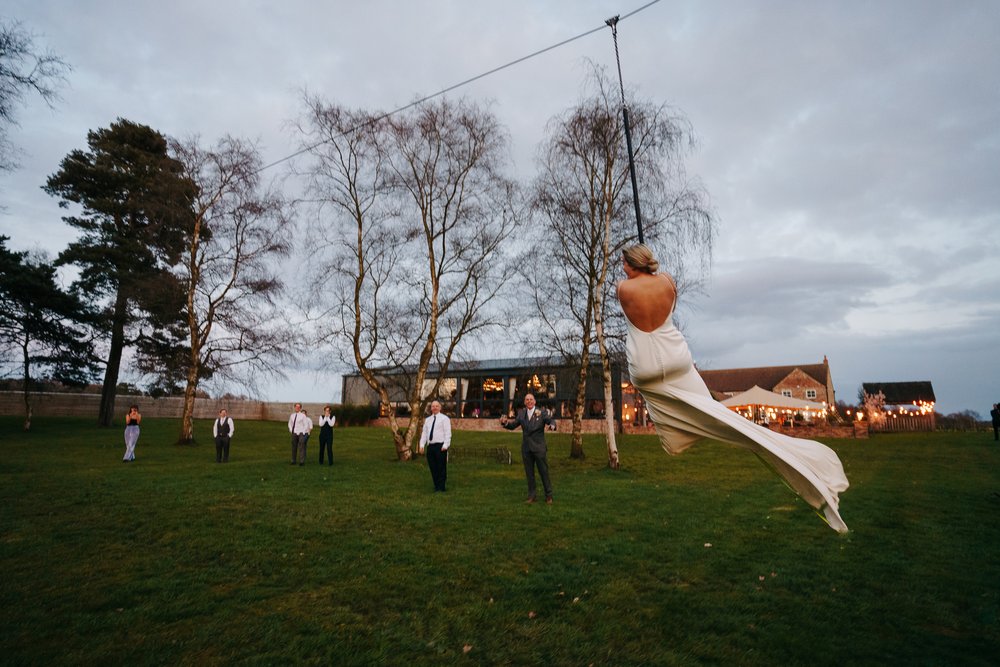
(996, 431)
(299, 441)
(326, 445)
(222, 448)
(531, 461)
(437, 461)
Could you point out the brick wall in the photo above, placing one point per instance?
(809, 430)
(86, 405)
(457, 424)
(798, 382)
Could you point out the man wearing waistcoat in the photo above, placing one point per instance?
(222, 431)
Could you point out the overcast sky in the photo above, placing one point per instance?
(851, 149)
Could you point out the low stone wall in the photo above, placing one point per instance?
(852, 430)
(468, 424)
(811, 431)
(87, 405)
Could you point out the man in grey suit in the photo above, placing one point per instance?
(533, 450)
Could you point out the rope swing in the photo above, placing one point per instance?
(613, 23)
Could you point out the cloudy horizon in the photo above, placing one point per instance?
(849, 150)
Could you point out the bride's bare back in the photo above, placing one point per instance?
(647, 299)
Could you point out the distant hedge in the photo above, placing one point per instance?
(354, 415)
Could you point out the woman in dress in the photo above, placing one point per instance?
(132, 421)
(683, 410)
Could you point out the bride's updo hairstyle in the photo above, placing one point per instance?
(640, 257)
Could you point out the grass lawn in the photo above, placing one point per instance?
(702, 558)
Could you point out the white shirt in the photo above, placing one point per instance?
(215, 427)
(324, 420)
(442, 431)
(299, 423)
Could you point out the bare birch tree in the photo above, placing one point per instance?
(24, 69)
(241, 228)
(582, 194)
(413, 213)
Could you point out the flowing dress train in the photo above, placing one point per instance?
(684, 412)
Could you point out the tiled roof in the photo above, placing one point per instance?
(511, 364)
(901, 393)
(741, 379)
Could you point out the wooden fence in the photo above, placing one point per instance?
(903, 424)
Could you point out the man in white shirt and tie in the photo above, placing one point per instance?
(435, 439)
(299, 426)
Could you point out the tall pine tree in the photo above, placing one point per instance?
(135, 214)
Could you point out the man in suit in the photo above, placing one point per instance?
(533, 450)
(995, 414)
(435, 439)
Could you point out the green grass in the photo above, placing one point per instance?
(176, 560)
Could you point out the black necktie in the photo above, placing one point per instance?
(430, 438)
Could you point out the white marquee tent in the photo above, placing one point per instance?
(764, 398)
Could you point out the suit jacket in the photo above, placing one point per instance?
(532, 430)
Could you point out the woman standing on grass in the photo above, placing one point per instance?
(683, 410)
(132, 421)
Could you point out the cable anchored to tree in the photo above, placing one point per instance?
(466, 82)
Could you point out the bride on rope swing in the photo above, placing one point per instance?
(681, 407)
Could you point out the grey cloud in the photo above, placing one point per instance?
(850, 148)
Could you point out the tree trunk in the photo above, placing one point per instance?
(194, 354)
(27, 387)
(110, 387)
(190, 390)
(576, 444)
(609, 404)
(411, 433)
(609, 419)
(403, 451)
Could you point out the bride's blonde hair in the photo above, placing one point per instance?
(641, 258)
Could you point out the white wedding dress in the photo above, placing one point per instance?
(684, 412)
